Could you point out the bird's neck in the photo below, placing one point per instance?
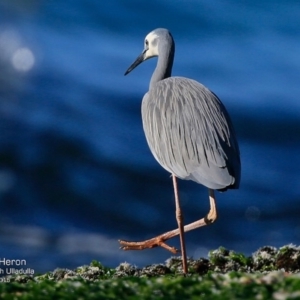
(164, 66)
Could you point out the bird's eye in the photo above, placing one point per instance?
(146, 42)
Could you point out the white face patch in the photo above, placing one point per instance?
(152, 46)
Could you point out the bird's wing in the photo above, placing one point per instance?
(189, 131)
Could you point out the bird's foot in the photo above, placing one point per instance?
(148, 244)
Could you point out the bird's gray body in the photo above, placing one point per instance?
(188, 129)
(190, 134)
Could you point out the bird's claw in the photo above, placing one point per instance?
(148, 244)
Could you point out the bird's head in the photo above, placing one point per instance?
(152, 44)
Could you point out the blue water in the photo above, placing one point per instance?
(76, 173)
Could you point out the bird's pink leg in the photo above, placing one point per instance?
(179, 218)
(160, 239)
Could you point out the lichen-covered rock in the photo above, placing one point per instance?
(220, 261)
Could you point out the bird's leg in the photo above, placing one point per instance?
(179, 218)
(212, 215)
(160, 240)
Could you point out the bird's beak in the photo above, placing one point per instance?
(139, 60)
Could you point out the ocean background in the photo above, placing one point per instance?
(76, 173)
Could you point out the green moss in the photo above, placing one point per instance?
(233, 285)
(240, 258)
(225, 275)
(288, 257)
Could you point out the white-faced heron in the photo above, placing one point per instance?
(190, 134)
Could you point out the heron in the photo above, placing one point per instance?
(189, 133)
